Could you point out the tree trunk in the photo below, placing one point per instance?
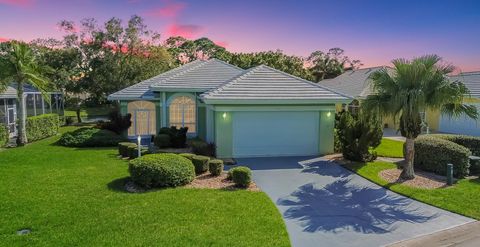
(22, 133)
(408, 172)
(79, 118)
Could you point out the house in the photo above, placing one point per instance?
(246, 113)
(34, 105)
(356, 84)
(463, 124)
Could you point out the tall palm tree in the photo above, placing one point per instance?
(412, 87)
(19, 64)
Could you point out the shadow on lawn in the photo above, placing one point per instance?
(118, 185)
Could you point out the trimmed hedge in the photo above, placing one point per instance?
(162, 141)
(3, 135)
(470, 142)
(123, 148)
(133, 151)
(241, 176)
(187, 155)
(215, 167)
(161, 170)
(201, 163)
(201, 147)
(433, 154)
(90, 137)
(42, 126)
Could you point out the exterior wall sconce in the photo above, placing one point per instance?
(329, 114)
(224, 115)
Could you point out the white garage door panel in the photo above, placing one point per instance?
(275, 133)
(461, 125)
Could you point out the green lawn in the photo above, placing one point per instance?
(462, 198)
(73, 197)
(89, 111)
(390, 148)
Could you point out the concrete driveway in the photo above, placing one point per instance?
(323, 204)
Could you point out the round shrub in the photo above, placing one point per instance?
(215, 167)
(133, 151)
(201, 163)
(90, 137)
(123, 148)
(187, 155)
(162, 141)
(433, 154)
(161, 170)
(241, 176)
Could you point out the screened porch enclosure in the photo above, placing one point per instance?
(35, 105)
(143, 118)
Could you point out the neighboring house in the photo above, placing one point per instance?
(356, 84)
(34, 105)
(463, 124)
(255, 112)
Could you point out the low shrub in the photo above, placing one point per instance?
(241, 176)
(133, 151)
(162, 141)
(161, 170)
(90, 137)
(187, 155)
(474, 167)
(178, 137)
(117, 123)
(470, 142)
(201, 147)
(42, 126)
(3, 135)
(358, 133)
(69, 120)
(201, 163)
(215, 167)
(123, 148)
(433, 154)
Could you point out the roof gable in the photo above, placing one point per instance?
(204, 76)
(265, 83)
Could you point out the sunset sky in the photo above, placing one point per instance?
(373, 31)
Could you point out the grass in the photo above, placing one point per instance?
(390, 148)
(88, 111)
(71, 196)
(461, 198)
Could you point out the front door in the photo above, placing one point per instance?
(12, 120)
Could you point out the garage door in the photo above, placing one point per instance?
(257, 134)
(461, 125)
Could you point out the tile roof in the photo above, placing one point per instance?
(471, 81)
(142, 89)
(265, 83)
(204, 76)
(198, 76)
(354, 83)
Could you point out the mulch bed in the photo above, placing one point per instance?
(207, 181)
(423, 180)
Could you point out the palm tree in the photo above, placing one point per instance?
(19, 64)
(411, 88)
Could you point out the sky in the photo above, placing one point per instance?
(373, 31)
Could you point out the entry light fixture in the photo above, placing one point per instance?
(224, 115)
(329, 114)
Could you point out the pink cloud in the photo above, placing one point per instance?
(170, 10)
(18, 3)
(223, 44)
(186, 31)
(2, 39)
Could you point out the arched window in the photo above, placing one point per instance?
(183, 113)
(143, 118)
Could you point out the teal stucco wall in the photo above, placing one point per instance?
(223, 134)
(327, 123)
